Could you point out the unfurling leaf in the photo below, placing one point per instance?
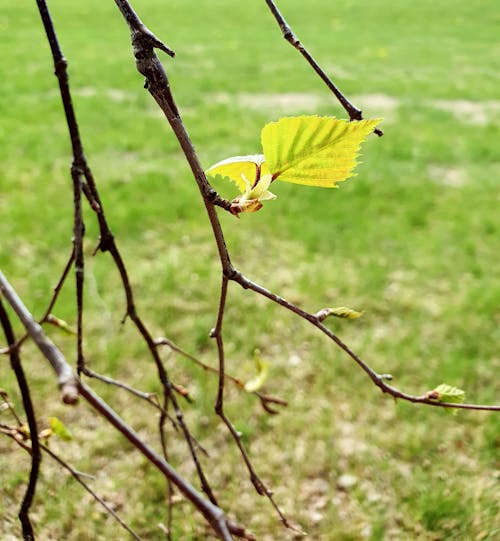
(250, 199)
(182, 391)
(46, 434)
(447, 393)
(262, 368)
(309, 150)
(53, 320)
(341, 311)
(24, 431)
(59, 429)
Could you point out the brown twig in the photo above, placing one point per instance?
(82, 176)
(148, 64)
(14, 434)
(46, 316)
(211, 512)
(36, 455)
(265, 399)
(79, 478)
(77, 169)
(148, 397)
(353, 112)
(5, 397)
(216, 333)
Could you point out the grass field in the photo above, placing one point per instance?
(413, 241)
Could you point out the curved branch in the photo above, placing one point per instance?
(213, 514)
(378, 379)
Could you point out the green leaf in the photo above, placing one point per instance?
(59, 429)
(447, 393)
(262, 368)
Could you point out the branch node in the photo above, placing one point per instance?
(106, 241)
(60, 68)
(143, 39)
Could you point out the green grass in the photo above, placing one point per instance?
(412, 240)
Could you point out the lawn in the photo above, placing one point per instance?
(412, 240)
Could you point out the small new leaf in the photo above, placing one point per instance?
(447, 393)
(341, 311)
(59, 429)
(60, 323)
(262, 368)
(46, 434)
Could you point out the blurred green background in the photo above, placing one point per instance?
(413, 241)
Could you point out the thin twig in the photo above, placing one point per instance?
(148, 397)
(148, 64)
(7, 402)
(58, 287)
(216, 333)
(80, 170)
(378, 379)
(353, 112)
(36, 456)
(53, 300)
(164, 448)
(211, 512)
(77, 169)
(79, 478)
(265, 399)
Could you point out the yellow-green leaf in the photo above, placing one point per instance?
(341, 311)
(59, 429)
(262, 368)
(447, 393)
(313, 150)
(60, 323)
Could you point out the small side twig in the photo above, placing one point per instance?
(78, 476)
(265, 399)
(353, 112)
(148, 397)
(216, 333)
(46, 316)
